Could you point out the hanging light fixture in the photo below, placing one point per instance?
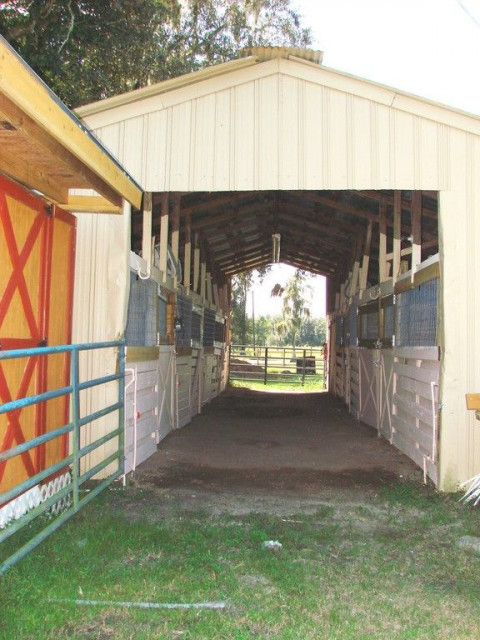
(276, 237)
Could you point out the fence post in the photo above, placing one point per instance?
(121, 411)
(266, 365)
(303, 368)
(76, 428)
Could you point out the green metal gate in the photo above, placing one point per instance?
(275, 366)
(59, 489)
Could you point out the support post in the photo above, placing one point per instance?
(203, 278)
(175, 224)
(397, 231)
(265, 375)
(147, 253)
(187, 262)
(416, 228)
(164, 235)
(366, 258)
(382, 244)
(196, 264)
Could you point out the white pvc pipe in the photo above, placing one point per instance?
(133, 372)
(144, 605)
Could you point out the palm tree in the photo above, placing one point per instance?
(295, 307)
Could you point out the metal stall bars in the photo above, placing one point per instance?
(72, 494)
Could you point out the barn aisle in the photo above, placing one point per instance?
(249, 442)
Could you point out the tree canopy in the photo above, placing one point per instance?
(86, 50)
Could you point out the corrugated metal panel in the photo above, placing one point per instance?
(460, 314)
(279, 133)
(99, 311)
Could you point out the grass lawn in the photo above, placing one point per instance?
(385, 567)
(311, 384)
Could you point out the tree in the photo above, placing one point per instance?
(241, 285)
(294, 307)
(86, 50)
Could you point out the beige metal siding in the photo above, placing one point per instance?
(99, 313)
(460, 239)
(276, 131)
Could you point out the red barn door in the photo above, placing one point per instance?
(37, 244)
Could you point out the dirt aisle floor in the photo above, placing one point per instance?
(250, 448)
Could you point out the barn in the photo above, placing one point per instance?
(369, 186)
(53, 174)
(126, 227)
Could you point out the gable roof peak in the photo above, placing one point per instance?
(263, 54)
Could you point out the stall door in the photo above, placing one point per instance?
(368, 370)
(37, 242)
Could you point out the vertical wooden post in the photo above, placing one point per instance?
(208, 277)
(382, 244)
(416, 228)
(203, 278)
(265, 375)
(147, 229)
(187, 262)
(397, 231)
(164, 203)
(366, 257)
(175, 224)
(196, 264)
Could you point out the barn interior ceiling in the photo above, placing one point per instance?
(320, 231)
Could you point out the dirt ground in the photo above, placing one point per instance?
(254, 451)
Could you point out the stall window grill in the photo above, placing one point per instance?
(416, 316)
(196, 328)
(162, 321)
(350, 327)
(183, 322)
(339, 331)
(388, 320)
(141, 330)
(368, 325)
(219, 332)
(208, 328)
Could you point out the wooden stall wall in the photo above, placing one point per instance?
(141, 412)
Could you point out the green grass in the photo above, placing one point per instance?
(312, 383)
(380, 568)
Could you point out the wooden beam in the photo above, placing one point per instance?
(24, 89)
(397, 233)
(383, 267)
(196, 264)
(416, 228)
(344, 207)
(147, 254)
(209, 287)
(90, 204)
(24, 172)
(175, 225)
(164, 211)
(203, 278)
(366, 258)
(217, 200)
(187, 261)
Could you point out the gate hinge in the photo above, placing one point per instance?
(49, 210)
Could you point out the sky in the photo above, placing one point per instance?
(430, 48)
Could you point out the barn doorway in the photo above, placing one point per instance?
(378, 251)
